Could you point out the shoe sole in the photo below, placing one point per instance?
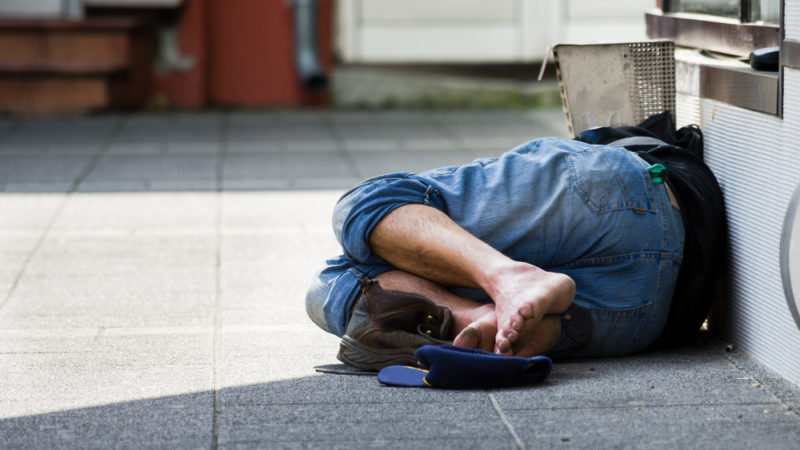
(358, 355)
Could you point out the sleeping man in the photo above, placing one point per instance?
(563, 247)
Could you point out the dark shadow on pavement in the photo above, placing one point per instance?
(691, 397)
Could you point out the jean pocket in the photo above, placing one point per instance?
(619, 331)
(607, 179)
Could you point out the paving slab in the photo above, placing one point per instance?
(28, 212)
(52, 149)
(257, 146)
(424, 144)
(136, 148)
(303, 145)
(369, 164)
(49, 371)
(112, 304)
(720, 426)
(373, 145)
(32, 134)
(146, 167)
(431, 423)
(279, 132)
(136, 212)
(24, 149)
(649, 382)
(264, 117)
(14, 250)
(179, 421)
(168, 132)
(270, 165)
(288, 211)
(32, 169)
(359, 130)
(116, 280)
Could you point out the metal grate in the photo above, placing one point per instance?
(615, 84)
(653, 81)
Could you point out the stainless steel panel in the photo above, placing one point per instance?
(728, 80)
(724, 36)
(753, 90)
(790, 54)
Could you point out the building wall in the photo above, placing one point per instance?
(756, 158)
(243, 54)
(607, 21)
(791, 17)
(454, 31)
(51, 9)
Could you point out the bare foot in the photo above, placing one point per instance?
(523, 294)
(480, 329)
(538, 338)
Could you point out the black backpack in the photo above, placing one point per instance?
(703, 211)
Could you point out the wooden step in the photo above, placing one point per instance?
(53, 95)
(93, 42)
(50, 67)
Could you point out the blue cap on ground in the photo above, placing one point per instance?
(447, 366)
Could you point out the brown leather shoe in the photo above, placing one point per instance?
(386, 327)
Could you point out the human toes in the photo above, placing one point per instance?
(469, 338)
(513, 327)
(502, 346)
(540, 338)
(526, 312)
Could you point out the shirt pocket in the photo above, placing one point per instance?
(608, 179)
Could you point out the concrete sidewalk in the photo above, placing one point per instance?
(152, 277)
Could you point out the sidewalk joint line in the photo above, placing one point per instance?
(106, 145)
(99, 155)
(447, 130)
(28, 258)
(509, 427)
(221, 156)
(341, 147)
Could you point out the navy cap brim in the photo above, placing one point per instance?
(403, 376)
(456, 368)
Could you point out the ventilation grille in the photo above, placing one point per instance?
(652, 84)
(615, 84)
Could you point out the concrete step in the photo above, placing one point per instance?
(53, 67)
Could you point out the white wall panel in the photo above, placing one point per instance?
(540, 27)
(29, 8)
(587, 21)
(617, 9)
(438, 10)
(756, 158)
(689, 110)
(444, 31)
(591, 31)
(429, 44)
(791, 17)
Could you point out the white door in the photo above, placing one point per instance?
(453, 31)
(33, 9)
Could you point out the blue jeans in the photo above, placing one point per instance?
(587, 211)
